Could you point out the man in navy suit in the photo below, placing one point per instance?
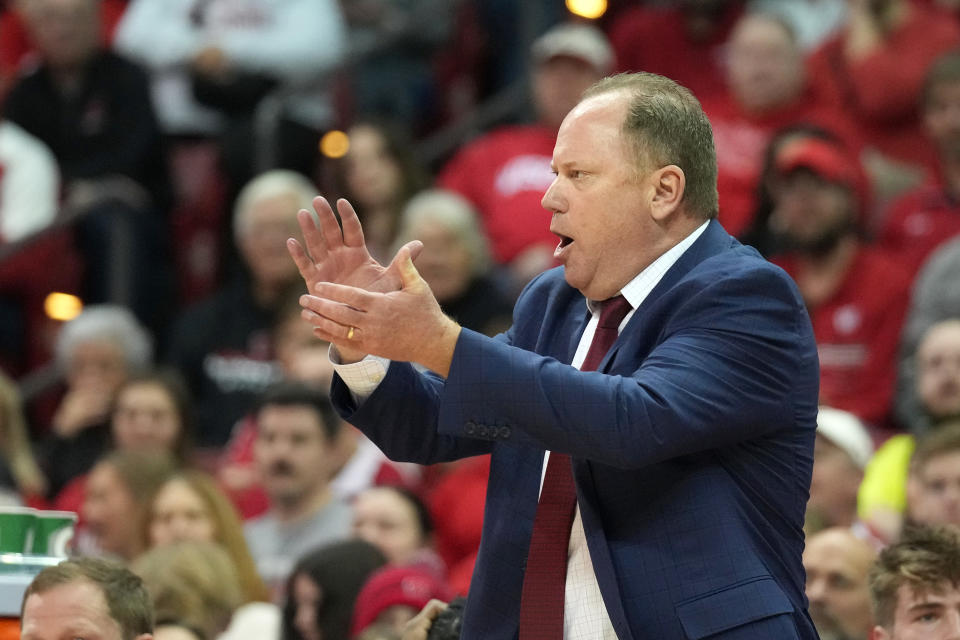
(690, 441)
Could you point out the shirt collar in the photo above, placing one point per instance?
(637, 290)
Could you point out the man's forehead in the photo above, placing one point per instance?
(78, 606)
(910, 596)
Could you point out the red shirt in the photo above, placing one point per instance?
(858, 332)
(882, 90)
(917, 223)
(741, 139)
(505, 174)
(656, 39)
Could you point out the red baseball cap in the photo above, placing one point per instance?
(413, 586)
(830, 160)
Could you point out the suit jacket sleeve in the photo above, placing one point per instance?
(723, 370)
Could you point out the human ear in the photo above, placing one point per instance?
(879, 633)
(668, 183)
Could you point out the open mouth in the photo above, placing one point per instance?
(565, 242)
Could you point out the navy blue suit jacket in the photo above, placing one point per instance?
(692, 446)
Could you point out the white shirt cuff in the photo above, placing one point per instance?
(363, 377)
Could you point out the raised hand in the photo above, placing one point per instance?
(405, 324)
(332, 255)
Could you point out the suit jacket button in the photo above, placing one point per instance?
(482, 431)
(504, 432)
(471, 427)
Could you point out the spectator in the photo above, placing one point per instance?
(936, 297)
(189, 507)
(397, 522)
(883, 495)
(392, 596)
(855, 297)
(934, 490)
(504, 173)
(151, 415)
(915, 587)
(681, 40)
(841, 452)
(92, 109)
(296, 458)
(837, 563)
(214, 62)
(116, 503)
(455, 260)
(97, 352)
(228, 364)
(379, 175)
(303, 357)
(86, 596)
(925, 217)
(323, 588)
(766, 90)
(192, 582)
(20, 477)
(875, 69)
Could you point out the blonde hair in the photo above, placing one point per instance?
(228, 530)
(15, 443)
(195, 582)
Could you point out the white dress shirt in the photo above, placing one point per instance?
(585, 614)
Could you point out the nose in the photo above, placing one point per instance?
(552, 200)
(815, 590)
(952, 621)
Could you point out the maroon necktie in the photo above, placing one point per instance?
(542, 599)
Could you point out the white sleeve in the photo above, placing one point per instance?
(30, 185)
(363, 377)
(158, 33)
(303, 39)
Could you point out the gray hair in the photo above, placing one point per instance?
(106, 323)
(271, 184)
(452, 211)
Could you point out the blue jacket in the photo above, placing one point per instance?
(692, 446)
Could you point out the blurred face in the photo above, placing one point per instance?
(937, 500)
(306, 597)
(445, 263)
(301, 354)
(293, 455)
(110, 511)
(941, 117)
(837, 564)
(145, 418)
(765, 66)
(933, 615)
(810, 211)
(558, 84)
(388, 521)
(938, 370)
(96, 364)
(74, 610)
(263, 242)
(372, 175)
(834, 485)
(599, 205)
(180, 515)
(66, 32)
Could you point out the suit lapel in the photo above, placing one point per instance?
(712, 241)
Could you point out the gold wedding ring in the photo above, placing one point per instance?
(350, 334)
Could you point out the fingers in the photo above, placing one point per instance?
(352, 230)
(329, 227)
(403, 263)
(353, 296)
(418, 627)
(311, 234)
(339, 313)
(329, 330)
(304, 263)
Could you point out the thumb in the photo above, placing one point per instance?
(409, 275)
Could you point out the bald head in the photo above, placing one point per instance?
(837, 564)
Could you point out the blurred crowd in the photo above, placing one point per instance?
(154, 155)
